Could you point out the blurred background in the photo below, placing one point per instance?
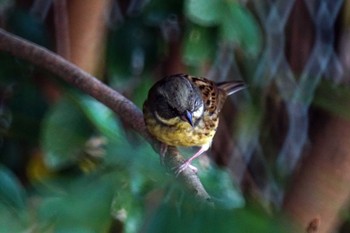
(280, 158)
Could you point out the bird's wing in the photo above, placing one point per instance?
(212, 96)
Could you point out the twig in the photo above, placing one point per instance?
(122, 106)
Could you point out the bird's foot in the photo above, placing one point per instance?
(183, 166)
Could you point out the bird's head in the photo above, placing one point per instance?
(175, 99)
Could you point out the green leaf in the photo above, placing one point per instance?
(239, 26)
(128, 209)
(199, 45)
(220, 186)
(83, 206)
(65, 131)
(141, 91)
(236, 24)
(26, 25)
(157, 12)
(203, 12)
(193, 217)
(100, 116)
(333, 98)
(10, 221)
(11, 191)
(132, 49)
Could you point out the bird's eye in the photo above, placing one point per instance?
(166, 111)
(173, 111)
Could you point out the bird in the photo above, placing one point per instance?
(182, 110)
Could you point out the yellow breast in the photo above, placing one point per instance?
(182, 133)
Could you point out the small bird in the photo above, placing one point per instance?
(183, 110)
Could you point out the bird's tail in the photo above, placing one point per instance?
(232, 87)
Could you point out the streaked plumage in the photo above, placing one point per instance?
(182, 110)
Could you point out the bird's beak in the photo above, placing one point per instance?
(187, 116)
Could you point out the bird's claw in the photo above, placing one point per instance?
(183, 166)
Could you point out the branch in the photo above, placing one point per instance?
(123, 107)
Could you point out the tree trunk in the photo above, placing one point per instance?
(87, 31)
(320, 191)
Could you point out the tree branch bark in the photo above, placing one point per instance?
(123, 107)
(321, 191)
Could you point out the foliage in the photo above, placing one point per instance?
(236, 24)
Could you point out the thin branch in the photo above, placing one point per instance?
(123, 107)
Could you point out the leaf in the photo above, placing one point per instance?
(220, 186)
(132, 50)
(203, 12)
(236, 24)
(193, 217)
(333, 98)
(156, 12)
(65, 130)
(10, 221)
(128, 209)
(199, 45)
(83, 206)
(141, 91)
(239, 26)
(11, 191)
(26, 25)
(100, 116)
